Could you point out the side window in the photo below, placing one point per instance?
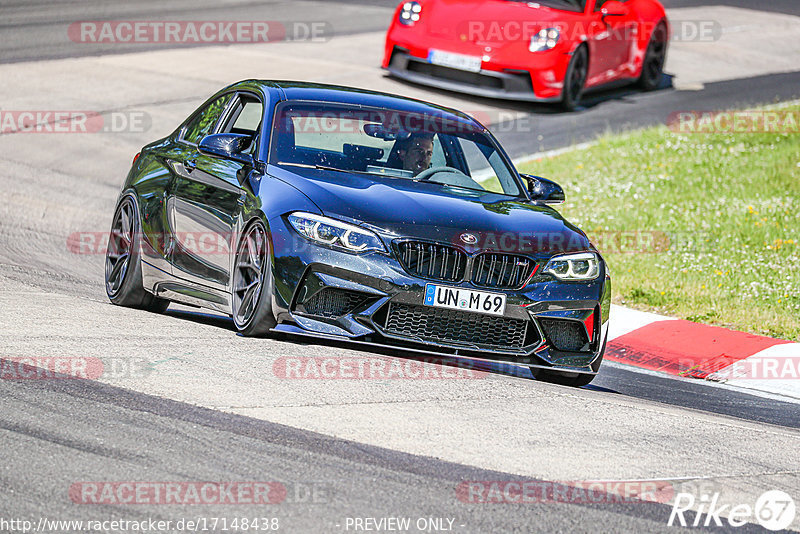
(245, 118)
(476, 160)
(249, 118)
(490, 172)
(599, 5)
(202, 123)
(438, 159)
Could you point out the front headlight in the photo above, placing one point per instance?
(571, 267)
(546, 39)
(335, 233)
(410, 13)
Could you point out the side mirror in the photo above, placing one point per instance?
(614, 8)
(544, 190)
(227, 146)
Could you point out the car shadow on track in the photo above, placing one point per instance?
(202, 317)
(450, 361)
(623, 93)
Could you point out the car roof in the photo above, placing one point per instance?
(297, 90)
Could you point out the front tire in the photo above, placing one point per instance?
(251, 292)
(575, 380)
(575, 79)
(123, 273)
(654, 58)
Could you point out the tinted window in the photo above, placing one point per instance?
(323, 132)
(439, 159)
(564, 5)
(599, 5)
(202, 123)
(486, 167)
(250, 117)
(245, 116)
(435, 148)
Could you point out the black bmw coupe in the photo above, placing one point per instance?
(353, 215)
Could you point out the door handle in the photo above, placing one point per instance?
(190, 165)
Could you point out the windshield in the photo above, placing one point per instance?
(439, 149)
(564, 5)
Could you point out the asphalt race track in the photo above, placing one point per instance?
(189, 400)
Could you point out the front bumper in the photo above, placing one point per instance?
(370, 299)
(544, 83)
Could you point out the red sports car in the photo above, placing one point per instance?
(544, 51)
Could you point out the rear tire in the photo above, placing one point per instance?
(251, 291)
(575, 79)
(654, 58)
(123, 273)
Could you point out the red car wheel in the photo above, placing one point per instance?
(653, 64)
(575, 79)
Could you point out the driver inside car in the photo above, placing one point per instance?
(415, 153)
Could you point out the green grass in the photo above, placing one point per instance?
(726, 212)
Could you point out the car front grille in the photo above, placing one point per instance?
(333, 302)
(502, 271)
(430, 260)
(456, 75)
(458, 327)
(438, 261)
(567, 336)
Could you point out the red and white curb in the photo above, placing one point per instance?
(692, 350)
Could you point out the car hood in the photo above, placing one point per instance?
(485, 21)
(400, 208)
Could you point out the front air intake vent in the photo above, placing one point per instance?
(567, 336)
(457, 327)
(332, 302)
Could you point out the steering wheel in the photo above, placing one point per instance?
(425, 175)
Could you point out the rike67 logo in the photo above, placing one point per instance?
(773, 510)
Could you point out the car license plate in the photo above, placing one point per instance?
(458, 298)
(456, 61)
